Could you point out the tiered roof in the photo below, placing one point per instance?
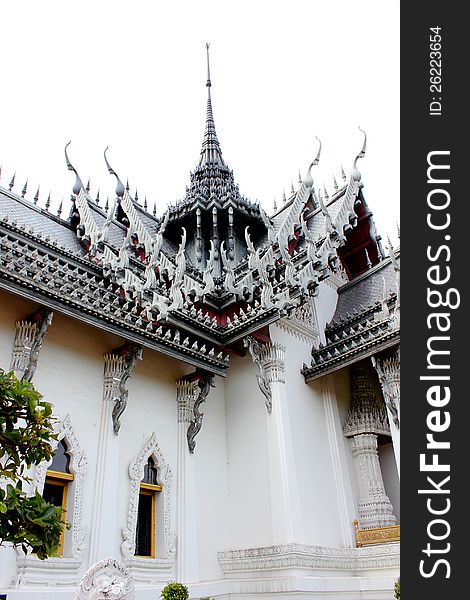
(214, 269)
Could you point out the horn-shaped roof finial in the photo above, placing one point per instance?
(119, 185)
(355, 172)
(308, 181)
(78, 185)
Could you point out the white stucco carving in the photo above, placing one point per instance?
(270, 360)
(165, 477)
(186, 394)
(303, 322)
(107, 579)
(29, 337)
(78, 467)
(295, 556)
(62, 570)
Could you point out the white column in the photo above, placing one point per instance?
(388, 370)
(375, 509)
(105, 534)
(187, 567)
(105, 530)
(286, 511)
(366, 420)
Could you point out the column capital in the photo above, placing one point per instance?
(118, 368)
(270, 360)
(272, 357)
(191, 392)
(186, 394)
(29, 338)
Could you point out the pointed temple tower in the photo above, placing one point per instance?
(225, 383)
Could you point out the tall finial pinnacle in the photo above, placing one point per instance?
(208, 83)
(210, 152)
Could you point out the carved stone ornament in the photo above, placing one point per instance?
(29, 337)
(388, 370)
(204, 383)
(269, 358)
(366, 415)
(300, 556)
(302, 323)
(107, 579)
(117, 371)
(186, 394)
(78, 467)
(165, 479)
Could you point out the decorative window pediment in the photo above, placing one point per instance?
(65, 568)
(74, 542)
(165, 546)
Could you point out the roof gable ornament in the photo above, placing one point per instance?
(119, 185)
(78, 185)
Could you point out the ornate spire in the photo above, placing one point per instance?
(210, 152)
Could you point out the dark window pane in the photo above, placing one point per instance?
(150, 472)
(143, 538)
(61, 459)
(53, 494)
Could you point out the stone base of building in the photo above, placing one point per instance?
(284, 572)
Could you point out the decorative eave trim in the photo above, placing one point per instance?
(96, 320)
(391, 338)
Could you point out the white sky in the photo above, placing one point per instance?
(132, 75)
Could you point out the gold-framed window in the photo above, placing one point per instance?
(145, 539)
(56, 486)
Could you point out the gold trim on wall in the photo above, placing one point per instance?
(376, 535)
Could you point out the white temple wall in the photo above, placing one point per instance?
(342, 386)
(309, 434)
(211, 508)
(325, 305)
(248, 472)
(70, 376)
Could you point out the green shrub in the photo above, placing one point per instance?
(175, 591)
(26, 432)
(397, 588)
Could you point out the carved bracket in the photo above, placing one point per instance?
(205, 382)
(118, 368)
(269, 358)
(29, 337)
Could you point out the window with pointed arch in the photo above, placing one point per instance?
(56, 486)
(145, 539)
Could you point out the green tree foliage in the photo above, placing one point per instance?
(175, 591)
(26, 432)
(397, 589)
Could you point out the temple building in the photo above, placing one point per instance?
(225, 383)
